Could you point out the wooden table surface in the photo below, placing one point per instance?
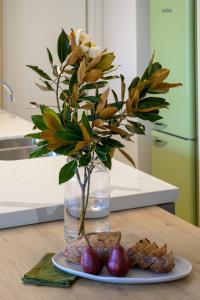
(21, 248)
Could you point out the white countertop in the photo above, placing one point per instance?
(29, 190)
(12, 126)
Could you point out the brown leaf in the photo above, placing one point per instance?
(94, 62)
(166, 86)
(51, 120)
(53, 142)
(106, 61)
(129, 106)
(54, 146)
(115, 129)
(72, 40)
(80, 145)
(123, 87)
(127, 156)
(93, 75)
(81, 71)
(102, 101)
(85, 132)
(135, 95)
(143, 85)
(108, 112)
(98, 123)
(112, 153)
(75, 92)
(88, 106)
(73, 56)
(158, 77)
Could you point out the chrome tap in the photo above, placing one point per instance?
(9, 90)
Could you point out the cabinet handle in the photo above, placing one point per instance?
(159, 125)
(158, 142)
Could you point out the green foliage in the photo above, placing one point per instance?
(50, 57)
(63, 46)
(85, 119)
(39, 72)
(39, 152)
(67, 171)
(38, 122)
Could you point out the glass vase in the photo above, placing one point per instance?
(86, 202)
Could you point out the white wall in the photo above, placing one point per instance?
(29, 26)
(125, 28)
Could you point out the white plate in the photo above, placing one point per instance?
(135, 276)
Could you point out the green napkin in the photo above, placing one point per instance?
(44, 273)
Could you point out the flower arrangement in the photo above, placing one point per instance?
(90, 117)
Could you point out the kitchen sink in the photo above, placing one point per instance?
(17, 148)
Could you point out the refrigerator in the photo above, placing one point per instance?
(172, 36)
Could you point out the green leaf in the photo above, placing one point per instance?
(135, 127)
(38, 121)
(42, 143)
(101, 154)
(74, 127)
(118, 105)
(65, 150)
(150, 116)
(63, 46)
(91, 86)
(68, 135)
(103, 148)
(33, 135)
(67, 171)
(73, 79)
(152, 102)
(133, 83)
(66, 81)
(64, 94)
(115, 96)
(92, 99)
(39, 72)
(107, 162)
(85, 160)
(39, 152)
(152, 91)
(112, 143)
(144, 90)
(42, 108)
(111, 77)
(50, 57)
(154, 67)
(45, 87)
(86, 123)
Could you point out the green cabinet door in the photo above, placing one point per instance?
(173, 160)
(173, 39)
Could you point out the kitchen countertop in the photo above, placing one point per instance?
(29, 190)
(12, 126)
(21, 248)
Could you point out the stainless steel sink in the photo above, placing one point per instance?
(15, 149)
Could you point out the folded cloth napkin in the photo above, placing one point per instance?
(44, 273)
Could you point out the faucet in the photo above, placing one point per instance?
(9, 90)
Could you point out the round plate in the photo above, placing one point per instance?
(134, 276)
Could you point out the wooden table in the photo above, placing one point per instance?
(21, 248)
